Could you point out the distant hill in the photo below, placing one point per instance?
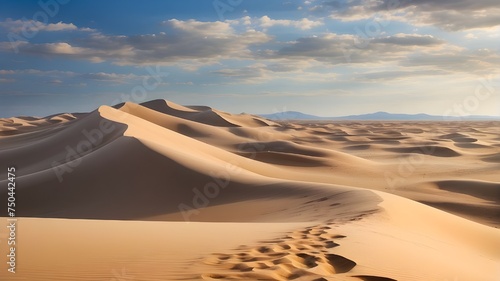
(295, 115)
(291, 115)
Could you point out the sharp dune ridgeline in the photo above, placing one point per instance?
(160, 191)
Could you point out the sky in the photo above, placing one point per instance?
(321, 57)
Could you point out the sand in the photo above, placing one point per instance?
(160, 191)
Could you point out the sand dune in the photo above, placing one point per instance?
(206, 115)
(265, 200)
(438, 151)
(23, 124)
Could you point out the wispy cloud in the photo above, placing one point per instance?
(58, 77)
(392, 75)
(110, 77)
(18, 26)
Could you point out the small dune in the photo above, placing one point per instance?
(430, 150)
(481, 189)
(358, 147)
(494, 158)
(205, 115)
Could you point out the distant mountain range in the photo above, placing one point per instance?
(295, 115)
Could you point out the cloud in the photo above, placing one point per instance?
(329, 46)
(194, 41)
(491, 33)
(414, 54)
(344, 48)
(217, 29)
(480, 62)
(55, 82)
(259, 72)
(401, 74)
(36, 72)
(248, 72)
(303, 24)
(409, 40)
(32, 26)
(110, 77)
(265, 22)
(58, 77)
(284, 69)
(192, 44)
(451, 15)
(470, 36)
(6, 72)
(7, 80)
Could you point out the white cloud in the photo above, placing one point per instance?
(31, 26)
(489, 33)
(217, 29)
(470, 36)
(303, 24)
(110, 77)
(247, 20)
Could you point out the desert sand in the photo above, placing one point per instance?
(160, 191)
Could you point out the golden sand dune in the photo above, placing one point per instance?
(208, 195)
(17, 125)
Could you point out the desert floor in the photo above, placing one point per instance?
(160, 191)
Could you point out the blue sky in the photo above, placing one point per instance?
(322, 57)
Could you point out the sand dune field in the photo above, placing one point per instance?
(160, 191)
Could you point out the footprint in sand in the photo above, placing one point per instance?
(301, 254)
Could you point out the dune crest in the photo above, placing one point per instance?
(206, 115)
